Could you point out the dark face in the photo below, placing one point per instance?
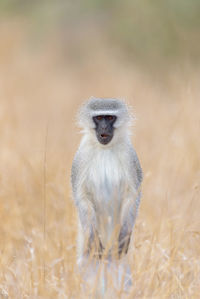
(104, 127)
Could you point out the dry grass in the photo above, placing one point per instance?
(39, 96)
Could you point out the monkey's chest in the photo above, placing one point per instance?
(107, 188)
(106, 183)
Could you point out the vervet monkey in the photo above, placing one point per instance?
(106, 178)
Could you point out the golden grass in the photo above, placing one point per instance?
(40, 91)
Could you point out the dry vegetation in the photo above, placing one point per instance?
(40, 91)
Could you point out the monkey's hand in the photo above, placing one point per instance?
(95, 247)
(123, 240)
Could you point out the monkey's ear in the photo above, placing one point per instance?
(83, 117)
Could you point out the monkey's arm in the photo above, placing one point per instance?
(129, 214)
(131, 203)
(88, 221)
(86, 210)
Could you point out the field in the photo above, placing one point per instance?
(41, 88)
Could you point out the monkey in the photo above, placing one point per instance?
(106, 179)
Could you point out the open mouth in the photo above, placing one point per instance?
(104, 136)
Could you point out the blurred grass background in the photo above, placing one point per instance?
(148, 31)
(53, 56)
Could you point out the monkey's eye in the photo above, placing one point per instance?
(99, 117)
(110, 117)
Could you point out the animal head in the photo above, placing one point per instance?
(104, 119)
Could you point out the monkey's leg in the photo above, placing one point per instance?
(88, 243)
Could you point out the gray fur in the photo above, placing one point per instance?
(95, 106)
